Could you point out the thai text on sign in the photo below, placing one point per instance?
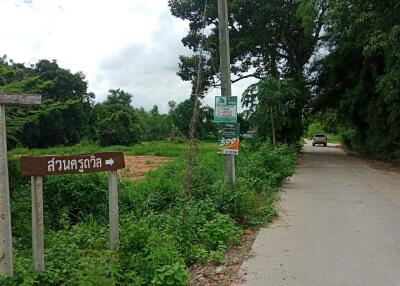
(225, 109)
(77, 164)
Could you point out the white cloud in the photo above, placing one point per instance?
(129, 44)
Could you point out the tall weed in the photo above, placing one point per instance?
(163, 231)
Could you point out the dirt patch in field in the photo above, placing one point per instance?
(226, 274)
(138, 166)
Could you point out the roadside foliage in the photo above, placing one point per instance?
(163, 231)
(359, 78)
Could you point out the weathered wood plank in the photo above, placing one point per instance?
(37, 224)
(20, 99)
(6, 257)
(76, 164)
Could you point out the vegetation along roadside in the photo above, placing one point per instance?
(163, 231)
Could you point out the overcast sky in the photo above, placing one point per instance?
(129, 44)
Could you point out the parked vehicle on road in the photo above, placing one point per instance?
(320, 139)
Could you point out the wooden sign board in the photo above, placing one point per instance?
(77, 164)
(20, 99)
(37, 167)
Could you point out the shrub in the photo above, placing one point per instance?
(73, 197)
(220, 231)
(163, 231)
(120, 128)
(175, 274)
(267, 168)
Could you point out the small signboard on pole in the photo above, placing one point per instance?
(225, 109)
(229, 138)
(37, 167)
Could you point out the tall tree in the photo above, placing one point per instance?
(63, 116)
(115, 122)
(360, 77)
(269, 104)
(268, 38)
(181, 115)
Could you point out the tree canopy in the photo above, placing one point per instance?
(268, 38)
(62, 117)
(360, 76)
(275, 38)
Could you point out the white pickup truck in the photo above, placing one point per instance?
(320, 139)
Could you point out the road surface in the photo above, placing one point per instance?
(339, 225)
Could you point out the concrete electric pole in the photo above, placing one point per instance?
(226, 90)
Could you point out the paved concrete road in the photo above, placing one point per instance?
(339, 226)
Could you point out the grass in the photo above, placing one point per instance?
(160, 148)
(163, 230)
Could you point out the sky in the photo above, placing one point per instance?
(129, 44)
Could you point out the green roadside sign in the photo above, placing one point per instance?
(225, 109)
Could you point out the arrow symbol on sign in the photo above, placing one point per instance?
(110, 162)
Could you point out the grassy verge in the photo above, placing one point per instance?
(163, 231)
(159, 148)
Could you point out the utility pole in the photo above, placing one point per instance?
(226, 90)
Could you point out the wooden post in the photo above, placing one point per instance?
(37, 223)
(226, 89)
(113, 209)
(6, 259)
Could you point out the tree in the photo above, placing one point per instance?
(181, 115)
(63, 116)
(270, 103)
(115, 122)
(119, 97)
(268, 38)
(155, 126)
(120, 128)
(360, 76)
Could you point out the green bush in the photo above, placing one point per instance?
(315, 128)
(175, 274)
(220, 231)
(73, 197)
(267, 168)
(20, 196)
(121, 128)
(163, 231)
(146, 252)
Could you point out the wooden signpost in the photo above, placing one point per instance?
(37, 167)
(6, 259)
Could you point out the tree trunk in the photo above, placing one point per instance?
(273, 128)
